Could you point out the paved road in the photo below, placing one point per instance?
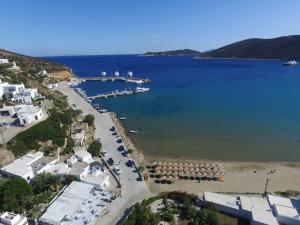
(131, 190)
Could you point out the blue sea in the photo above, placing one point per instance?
(243, 110)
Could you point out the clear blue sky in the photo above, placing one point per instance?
(68, 27)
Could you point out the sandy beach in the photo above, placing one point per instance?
(240, 177)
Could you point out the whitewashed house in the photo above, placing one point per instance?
(2, 85)
(13, 90)
(84, 156)
(8, 111)
(9, 218)
(43, 73)
(29, 114)
(4, 61)
(25, 167)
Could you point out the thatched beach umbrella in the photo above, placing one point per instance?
(164, 177)
(211, 165)
(191, 169)
(202, 165)
(191, 165)
(154, 163)
(180, 164)
(203, 170)
(169, 173)
(206, 165)
(186, 169)
(196, 165)
(170, 168)
(158, 172)
(170, 163)
(158, 168)
(175, 164)
(204, 174)
(180, 168)
(186, 164)
(159, 163)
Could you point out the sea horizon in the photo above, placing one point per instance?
(213, 109)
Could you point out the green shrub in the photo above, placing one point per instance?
(15, 195)
(95, 148)
(89, 119)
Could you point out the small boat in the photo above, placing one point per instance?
(290, 63)
(123, 118)
(134, 131)
(141, 89)
(102, 110)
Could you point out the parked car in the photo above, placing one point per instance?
(121, 148)
(110, 161)
(129, 163)
(125, 153)
(117, 171)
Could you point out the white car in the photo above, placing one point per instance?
(117, 170)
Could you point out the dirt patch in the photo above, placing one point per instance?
(6, 157)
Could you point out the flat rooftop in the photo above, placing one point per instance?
(22, 165)
(264, 217)
(78, 204)
(221, 199)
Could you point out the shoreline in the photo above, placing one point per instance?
(137, 154)
(239, 177)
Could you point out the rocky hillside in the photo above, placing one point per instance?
(287, 47)
(31, 68)
(183, 52)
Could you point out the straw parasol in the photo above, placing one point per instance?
(169, 173)
(196, 165)
(175, 164)
(159, 163)
(191, 165)
(186, 169)
(180, 164)
(158, 167)
(191, 169)
(202, 170)
(180, 168)
(186, 164)
(164, 177)
(154, 163)
(202, 165)
(175, 168)
(170, 168)
(157, 172)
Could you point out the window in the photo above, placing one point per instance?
(36, 118)
(24, 121)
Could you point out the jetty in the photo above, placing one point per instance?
(113, 78)
(117, 93)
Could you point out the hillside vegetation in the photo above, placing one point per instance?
(30, 67)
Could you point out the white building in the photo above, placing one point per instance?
(79, 204)
(79, 170)
(25, 167)
(3, 61)
(15, 67)
(84, 156)
(8, 218)
(255, 209)
(13, 90)
(43, 73)
(52, 86)
(2, 85)
(8, 111)
(286, 209)
(97, 176)
(29, 114)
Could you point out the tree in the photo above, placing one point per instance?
(141, 215)
(89, 119)
(141, 169)
(95, 148)
(15, 195)
(44, 181)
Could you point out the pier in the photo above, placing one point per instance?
(113, 94)
(113, 78)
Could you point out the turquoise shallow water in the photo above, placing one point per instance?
(243, 110)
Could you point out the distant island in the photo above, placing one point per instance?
(286, 47)
(182, 52)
